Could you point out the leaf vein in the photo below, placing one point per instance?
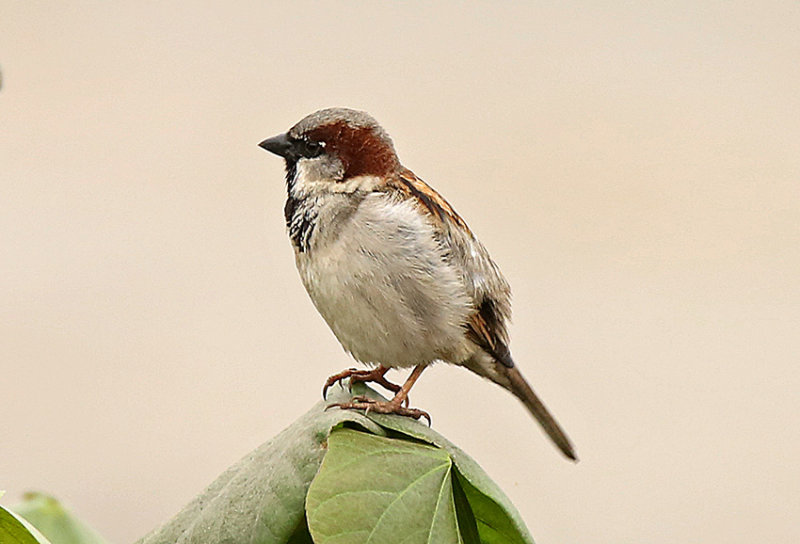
(400, 495)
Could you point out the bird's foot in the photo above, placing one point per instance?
(394, 406)
(376, 375)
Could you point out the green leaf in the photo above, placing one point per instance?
(14, 529)
(498, 521)
(372, 489)
(54, 521)
(495, 525)
(261, 499)
(301, 534)
(466, 517)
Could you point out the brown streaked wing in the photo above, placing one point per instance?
(485, 328)
(432, 201)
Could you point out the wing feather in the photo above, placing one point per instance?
(485, 285)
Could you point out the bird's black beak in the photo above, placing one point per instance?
(280, 145)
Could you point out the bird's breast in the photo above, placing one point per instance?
(377, 275)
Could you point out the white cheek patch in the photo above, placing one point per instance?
(321, 175)
(319, 169)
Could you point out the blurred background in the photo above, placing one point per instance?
(634, 168)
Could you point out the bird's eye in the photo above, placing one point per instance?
(311, 149)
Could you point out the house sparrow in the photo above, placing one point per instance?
(393, 269)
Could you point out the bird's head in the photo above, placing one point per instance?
(335, 145)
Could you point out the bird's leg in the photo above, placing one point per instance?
(394, 406)
(377, 375)
(401, 394)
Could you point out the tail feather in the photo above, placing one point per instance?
(508, 376)
(523, 392)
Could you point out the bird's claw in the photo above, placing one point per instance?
(337, 378)
(376, 375)
(367, 404)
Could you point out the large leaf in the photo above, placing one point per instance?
(14, 529)
(498, 521)
(260, 499)
(54, 521)
(372, 489)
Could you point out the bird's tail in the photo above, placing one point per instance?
(507, 375)
(523, 391)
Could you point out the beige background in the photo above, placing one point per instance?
(633, 168)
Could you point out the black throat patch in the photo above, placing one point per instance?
(300, 219)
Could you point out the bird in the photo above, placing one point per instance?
(394, 271)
